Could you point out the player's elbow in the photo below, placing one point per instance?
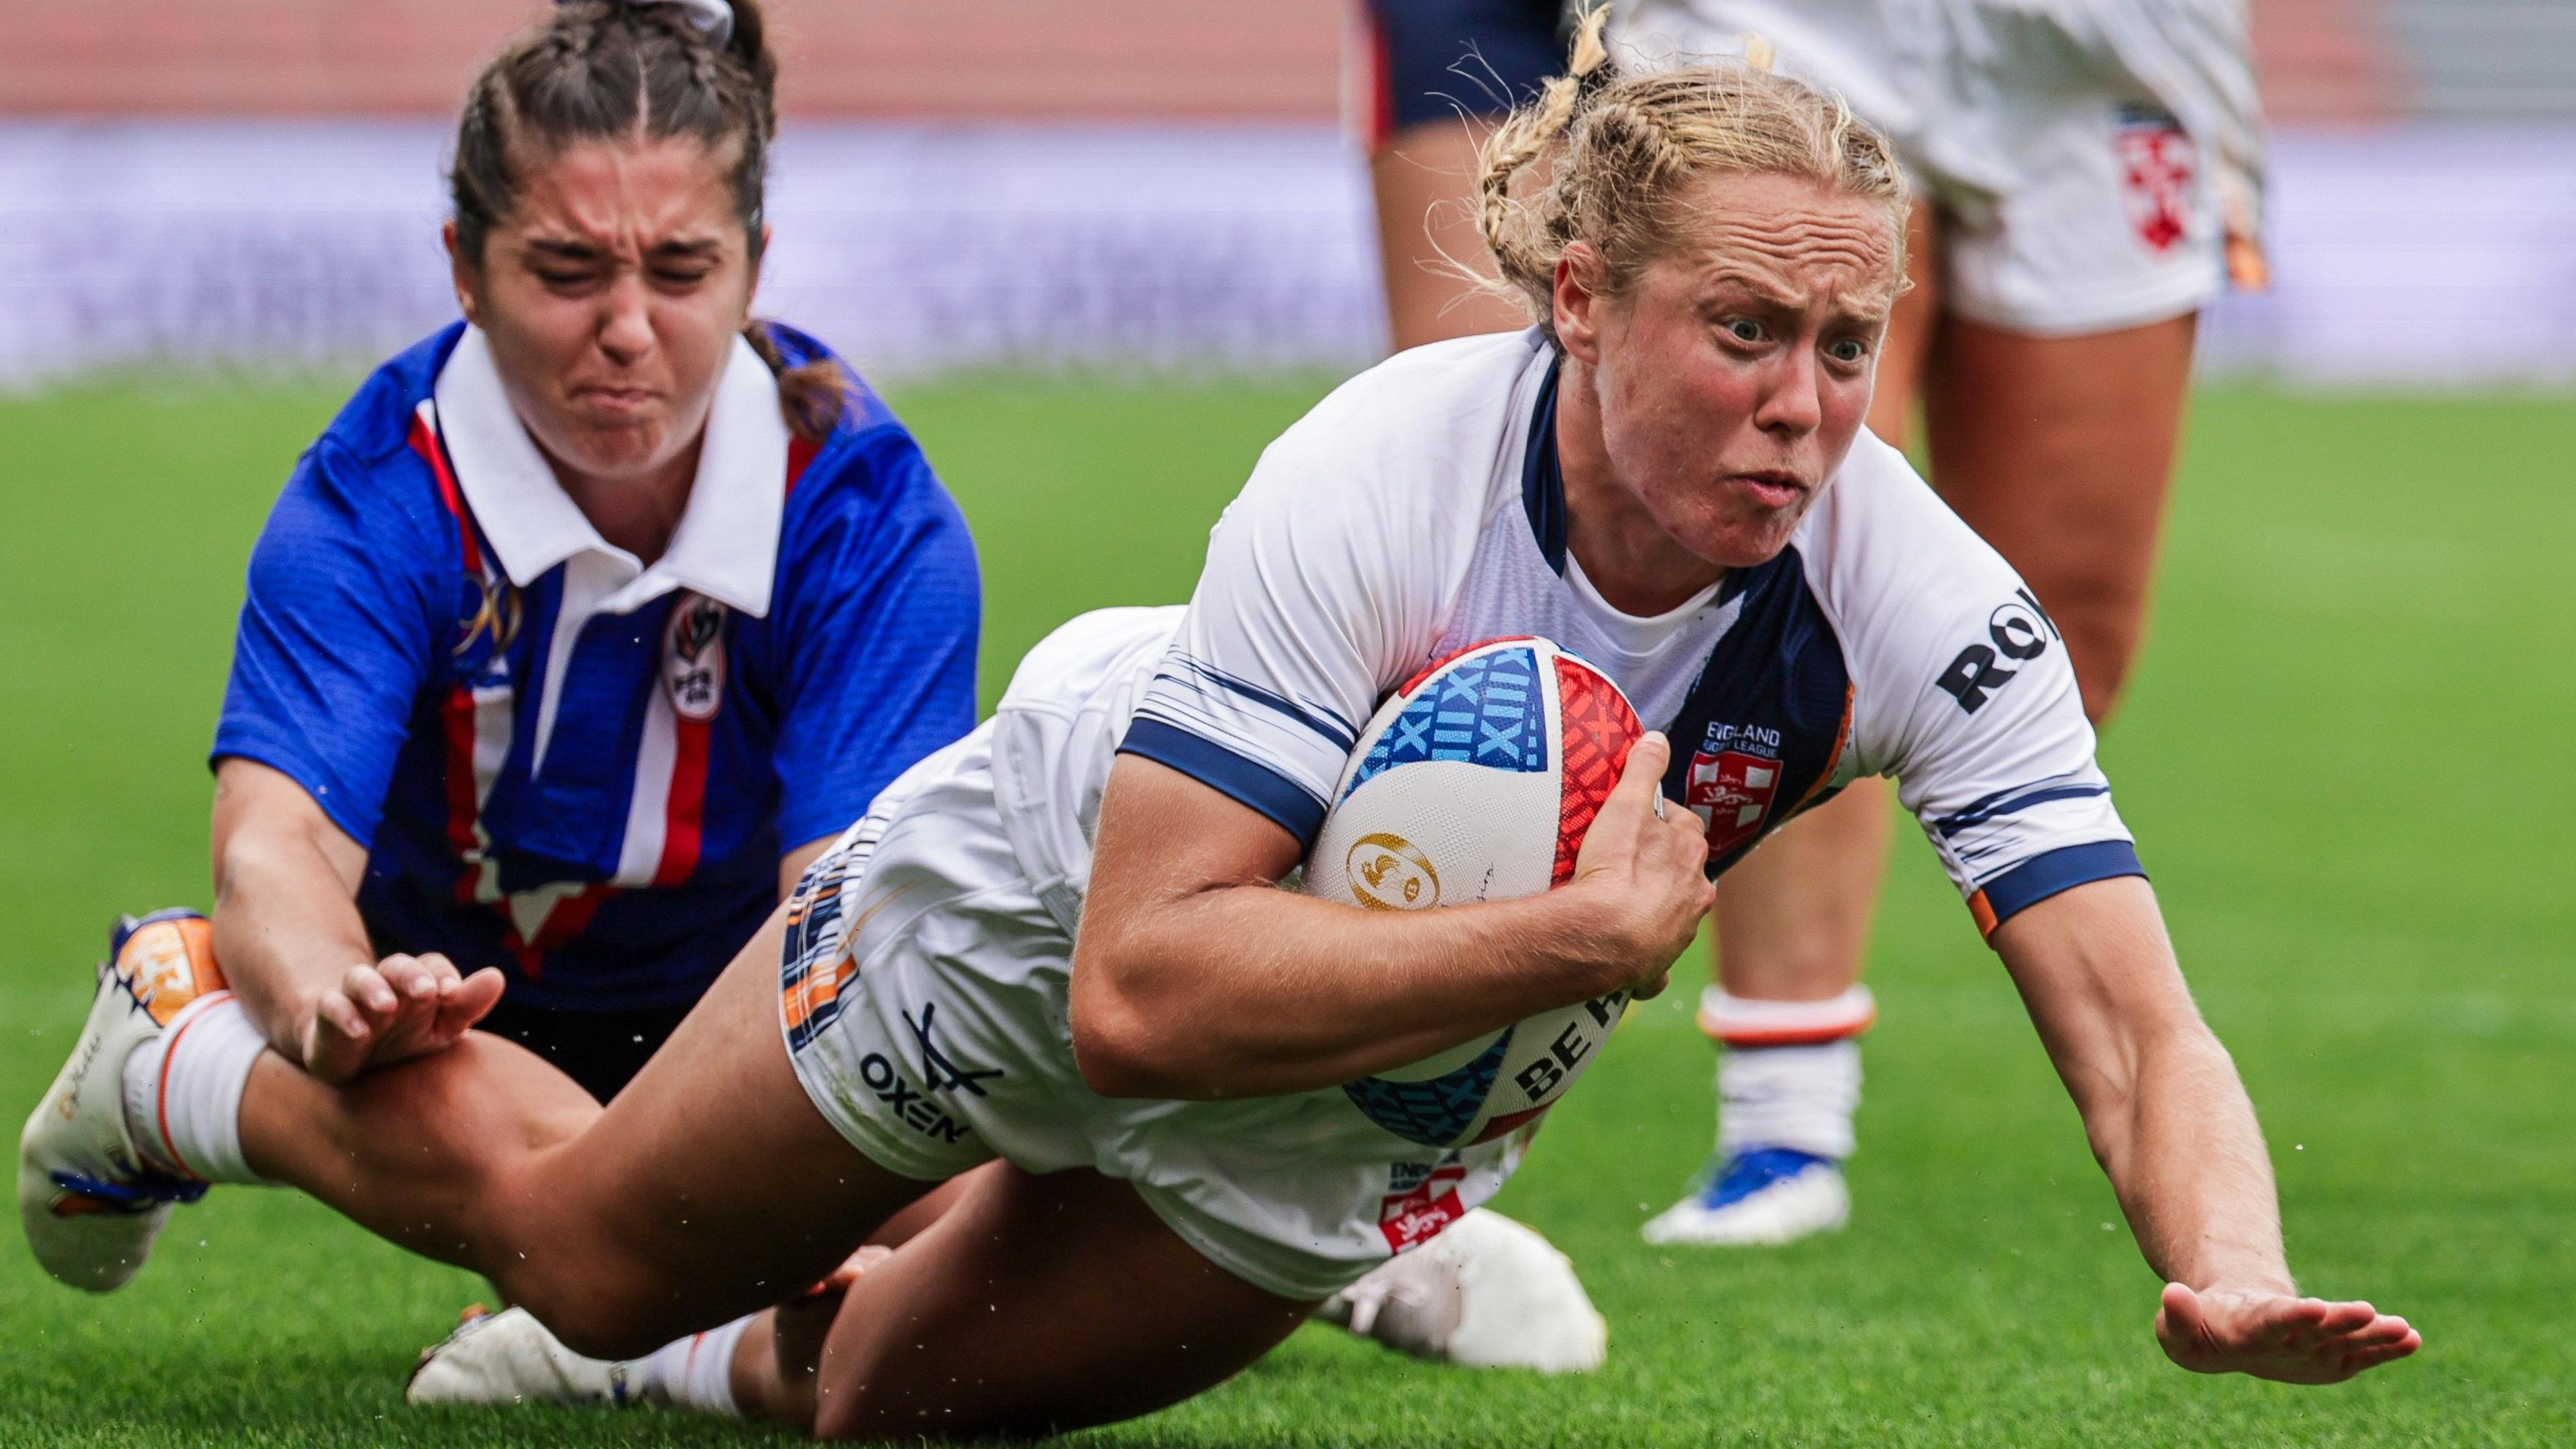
(1118, 1048)
(1124, 1041)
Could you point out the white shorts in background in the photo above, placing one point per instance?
(923, 997)
(2071, 200)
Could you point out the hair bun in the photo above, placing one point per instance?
(711, 18)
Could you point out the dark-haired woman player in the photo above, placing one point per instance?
(582, 628)
(589, 617)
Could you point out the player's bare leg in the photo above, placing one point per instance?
(708, 1189)
(1424, 179)
(1792, 925)
(711, 1185)
(2060, 451)
(1017, 1312)
(774, 1364)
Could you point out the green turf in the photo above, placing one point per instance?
(2338, 756)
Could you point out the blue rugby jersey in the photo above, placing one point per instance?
(565, 764)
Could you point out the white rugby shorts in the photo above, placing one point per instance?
(924, 1001)
(2071, 200)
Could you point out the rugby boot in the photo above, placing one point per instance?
(1488, 1292)
(1756, 1197)
(510, 1358)
(90, 1201)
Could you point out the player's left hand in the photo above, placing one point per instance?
(2272, 1335)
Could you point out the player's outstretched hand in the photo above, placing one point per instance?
(1645, 865)
(2276, 1336)
(398, 1008)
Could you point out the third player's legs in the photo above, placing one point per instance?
(1426, 221)
(2060, 451)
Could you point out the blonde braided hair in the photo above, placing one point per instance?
(1623, 148)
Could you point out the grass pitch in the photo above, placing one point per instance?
(2338, 757)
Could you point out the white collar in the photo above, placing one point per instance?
(726, 544)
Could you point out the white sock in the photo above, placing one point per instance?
(183, 1090)
(694, 1372)
(1789, 1096)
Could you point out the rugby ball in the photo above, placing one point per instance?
(1476, 782)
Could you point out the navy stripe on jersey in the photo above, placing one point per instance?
(2055, 872)
(1542, 478)
(1774, 694)
(1322, 721)
(2014, 801)
(1248, 782)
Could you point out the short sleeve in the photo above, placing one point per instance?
(1324, 586)
(1996, 759)
(879, 615)
(1963, 692)
(337, 632)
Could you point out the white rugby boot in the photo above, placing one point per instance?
(1488, 1292)
(90, 1201)
(510, 1358)
(1759, 1197)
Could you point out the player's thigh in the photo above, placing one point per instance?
(2060, 451)
(1038, 1304)
(710, 1187)
(1792, 920)
(1424, 179)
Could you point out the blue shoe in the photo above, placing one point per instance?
(1759, 1196)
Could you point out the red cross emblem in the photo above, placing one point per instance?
(1732, 792)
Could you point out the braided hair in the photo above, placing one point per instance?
(1622, 149)
(599, 70)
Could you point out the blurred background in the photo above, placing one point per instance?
(1008, 181)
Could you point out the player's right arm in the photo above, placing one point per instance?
(294, 950)
(350, 587)
(1195, 976)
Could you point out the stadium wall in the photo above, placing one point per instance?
(2402, 254)
(1159, 181)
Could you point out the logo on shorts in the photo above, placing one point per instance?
(908, 1096)
(1734, 778)
(1422, 1198)
(693, 657)
(1388, 874)
(943, 1072)
(2158, 165)
(910, 1104)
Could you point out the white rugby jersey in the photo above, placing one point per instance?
(1419, 509)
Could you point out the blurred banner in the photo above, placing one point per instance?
(1161, 182)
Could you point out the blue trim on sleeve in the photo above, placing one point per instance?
(1331, 727)
(2063, 869)
(1245, 781)
(1995, 807)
